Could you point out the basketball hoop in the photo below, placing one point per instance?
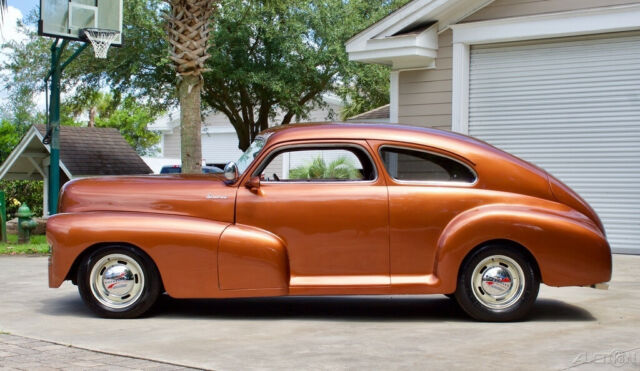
(101, 39)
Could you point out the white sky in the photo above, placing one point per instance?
(9, 32)
(9, 29)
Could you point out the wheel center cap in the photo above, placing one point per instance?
(496, 281)
(118, 280)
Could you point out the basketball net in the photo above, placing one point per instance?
(101, 40)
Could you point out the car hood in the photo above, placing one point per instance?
(201, 195)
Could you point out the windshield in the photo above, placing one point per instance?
(252, 152)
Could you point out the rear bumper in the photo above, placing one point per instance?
(51, 284)
(600, 286)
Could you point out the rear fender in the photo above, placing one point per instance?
(568, 248)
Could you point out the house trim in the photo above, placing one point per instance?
(561, 24)
(15, 154)
(460, 88)
(394, 96)
(389, 42)
(402, 51)
(218, 129)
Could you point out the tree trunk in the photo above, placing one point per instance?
(189, 88)
(92, 116)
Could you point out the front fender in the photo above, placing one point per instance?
(183, 248)
(569, 248)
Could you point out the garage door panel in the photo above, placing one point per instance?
(220, 148)
(571, 107)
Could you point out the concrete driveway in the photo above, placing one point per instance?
(577, 328)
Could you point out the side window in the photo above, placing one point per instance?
(413, 165)
(316, 164)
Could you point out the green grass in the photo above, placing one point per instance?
(38, 245)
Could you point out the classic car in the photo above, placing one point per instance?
(332, 209)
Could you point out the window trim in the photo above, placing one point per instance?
(278, 150)
(428, 182)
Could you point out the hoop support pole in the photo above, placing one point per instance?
(53, 126)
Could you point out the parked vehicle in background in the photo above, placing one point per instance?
(177, 169)
(328, 209)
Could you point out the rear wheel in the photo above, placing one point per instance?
(497, 283)
(118, 282)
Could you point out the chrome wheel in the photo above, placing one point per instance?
(116, 281)
(497, 282)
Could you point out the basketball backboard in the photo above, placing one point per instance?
(66, 18)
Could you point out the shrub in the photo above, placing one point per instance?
(20, 191)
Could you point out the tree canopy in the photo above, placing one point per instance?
(267, 59)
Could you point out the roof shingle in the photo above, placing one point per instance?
(97, 151)
(381, 112)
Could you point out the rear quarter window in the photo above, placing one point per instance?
(406, 164)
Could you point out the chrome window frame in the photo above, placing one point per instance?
(275, 152)
(428, 182)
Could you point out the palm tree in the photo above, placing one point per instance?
(3, 9)
(188, 23)
(340, 168)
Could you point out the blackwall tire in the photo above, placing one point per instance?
(497, 283)
(118, 282)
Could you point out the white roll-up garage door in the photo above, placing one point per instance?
(220, 148)
(572, 107)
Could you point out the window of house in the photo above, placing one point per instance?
(413, 165)
(320, 163)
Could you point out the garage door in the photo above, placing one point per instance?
(220, 148)
(572, 107)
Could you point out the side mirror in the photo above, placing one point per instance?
(253, 184)
(231, 171)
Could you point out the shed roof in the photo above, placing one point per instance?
(84, 152)
(97, 151)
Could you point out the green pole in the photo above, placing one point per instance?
(3, 216)
(53, 126)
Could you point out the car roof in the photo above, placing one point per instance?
(449, 141)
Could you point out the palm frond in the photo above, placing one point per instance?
(3, 10)
(341, 168)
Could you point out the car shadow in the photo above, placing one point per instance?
(329, 308)
(350, 308)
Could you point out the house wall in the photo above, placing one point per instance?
(517, 8)
(425, 95)
(172, 144)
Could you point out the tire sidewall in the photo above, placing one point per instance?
(150, 290)
(473, 307)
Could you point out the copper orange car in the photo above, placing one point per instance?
(332, 209)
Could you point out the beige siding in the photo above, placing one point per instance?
(172, 144)
(425, 95)
(216, 119)
(517, 8)
(329, 113)
(274, 167)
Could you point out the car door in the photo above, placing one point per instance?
(328, 202)
(427, 189)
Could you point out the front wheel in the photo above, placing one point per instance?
(118, 282)
(497, 283)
